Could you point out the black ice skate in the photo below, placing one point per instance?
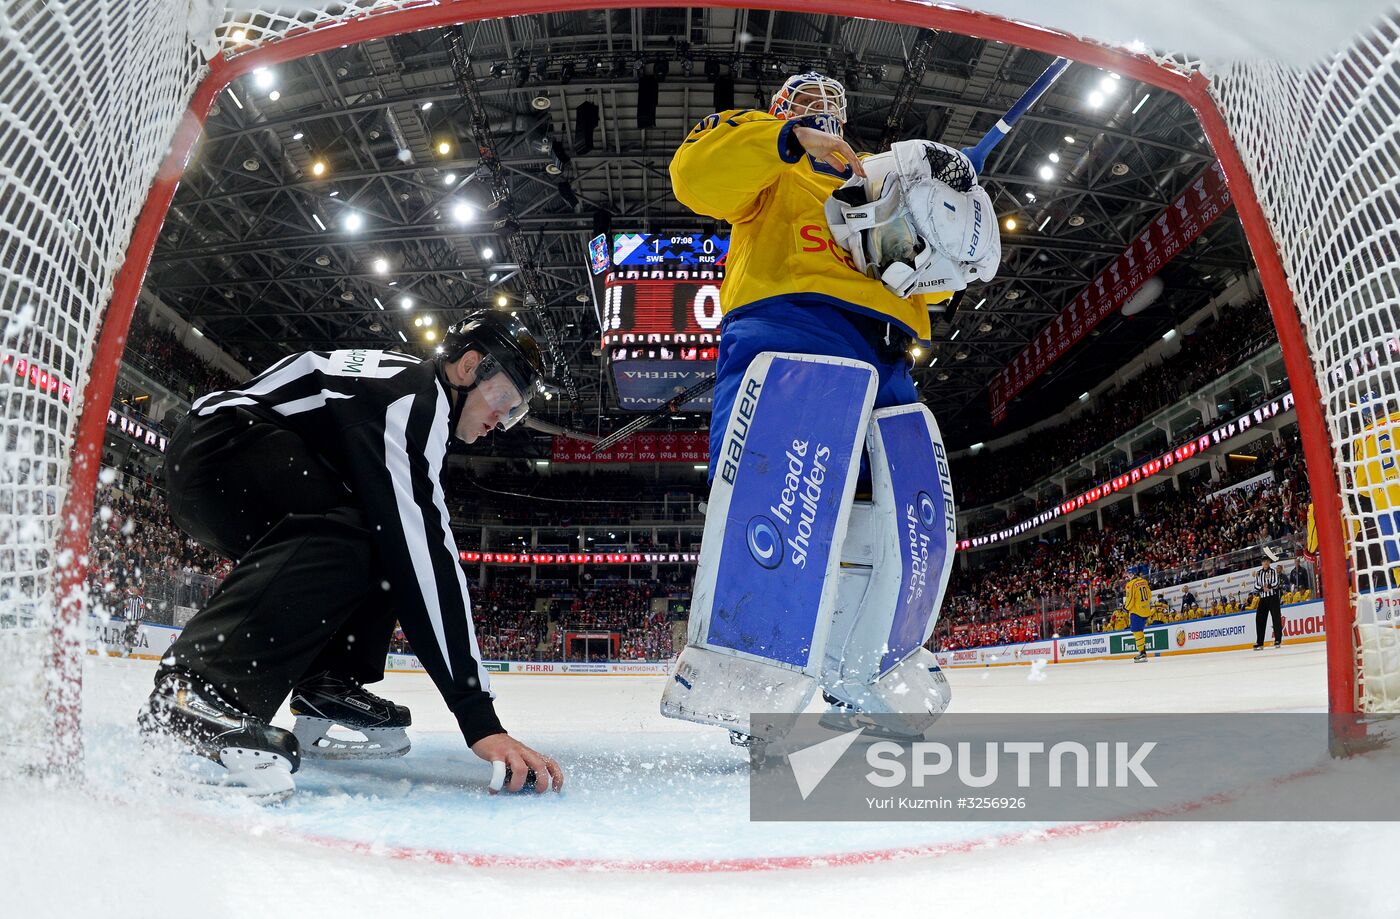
(259, 759)
(323, 701)
(1141, 657)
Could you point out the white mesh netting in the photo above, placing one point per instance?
(91, 94)
(1323, 149)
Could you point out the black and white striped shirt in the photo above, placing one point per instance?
(380, 419)
(1266, 582)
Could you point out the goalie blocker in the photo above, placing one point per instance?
(786, 599)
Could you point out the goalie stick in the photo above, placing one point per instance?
(978, 154)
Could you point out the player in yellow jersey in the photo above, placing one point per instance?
(1377, 478)
(1137, 597)
(833, 263)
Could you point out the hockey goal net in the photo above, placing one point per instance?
(101, 104)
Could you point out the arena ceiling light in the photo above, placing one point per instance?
(406, 303)
(274, 95)
(352, 222)
(1096, 99)
(1047, 173)
(1054, 157)
(318, 168)
(444, 147)
(488, 252)
(463, 212)
(449, 178)
(381, 266)
(1010, 223)
(501, 300)
(425, 106)
(298, 136)
(1141, 103)
(264, 78)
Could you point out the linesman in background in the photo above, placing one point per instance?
(1137, 597)
(1266, 585)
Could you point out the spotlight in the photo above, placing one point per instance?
(522, 73)
(566, 72)
(498, 69)
(541, 68)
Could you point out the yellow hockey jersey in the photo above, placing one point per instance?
(744, 167)
(1137, 597)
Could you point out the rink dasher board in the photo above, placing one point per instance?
(1303, 623)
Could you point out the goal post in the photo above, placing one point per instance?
(102, 105)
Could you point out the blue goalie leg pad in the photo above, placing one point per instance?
(769, 561)
(897, 558)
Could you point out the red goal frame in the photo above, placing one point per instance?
(1193, 87)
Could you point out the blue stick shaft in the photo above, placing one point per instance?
(978, 154)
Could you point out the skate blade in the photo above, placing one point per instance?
(232, 778)
(378, 743)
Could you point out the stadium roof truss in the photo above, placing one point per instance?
(256, 254)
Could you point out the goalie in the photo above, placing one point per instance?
(834, 262)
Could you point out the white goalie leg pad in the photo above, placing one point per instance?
(897, 559)
(766, 582)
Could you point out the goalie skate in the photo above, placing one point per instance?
(324, 702)
(189, 716)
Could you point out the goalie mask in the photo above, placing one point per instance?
(817, 100)
(918, 222)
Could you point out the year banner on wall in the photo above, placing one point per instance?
(642, 447)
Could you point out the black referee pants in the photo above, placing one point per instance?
(306, 595)
(1268, 606)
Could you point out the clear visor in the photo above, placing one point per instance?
(503, 398)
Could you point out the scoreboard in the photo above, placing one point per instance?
(657, 298)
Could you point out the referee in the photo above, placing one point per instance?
(1266, 585)
(321, 476)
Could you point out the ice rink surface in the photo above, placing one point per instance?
(650, 805)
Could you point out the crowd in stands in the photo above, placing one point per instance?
(136, 550)
(158, 352)
(1175, 532)
(1208, 352)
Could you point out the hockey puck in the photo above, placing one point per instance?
(501, 775)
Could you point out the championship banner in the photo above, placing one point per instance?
(1173, 230)
(642, 447)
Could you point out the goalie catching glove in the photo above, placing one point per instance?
(918, 222)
